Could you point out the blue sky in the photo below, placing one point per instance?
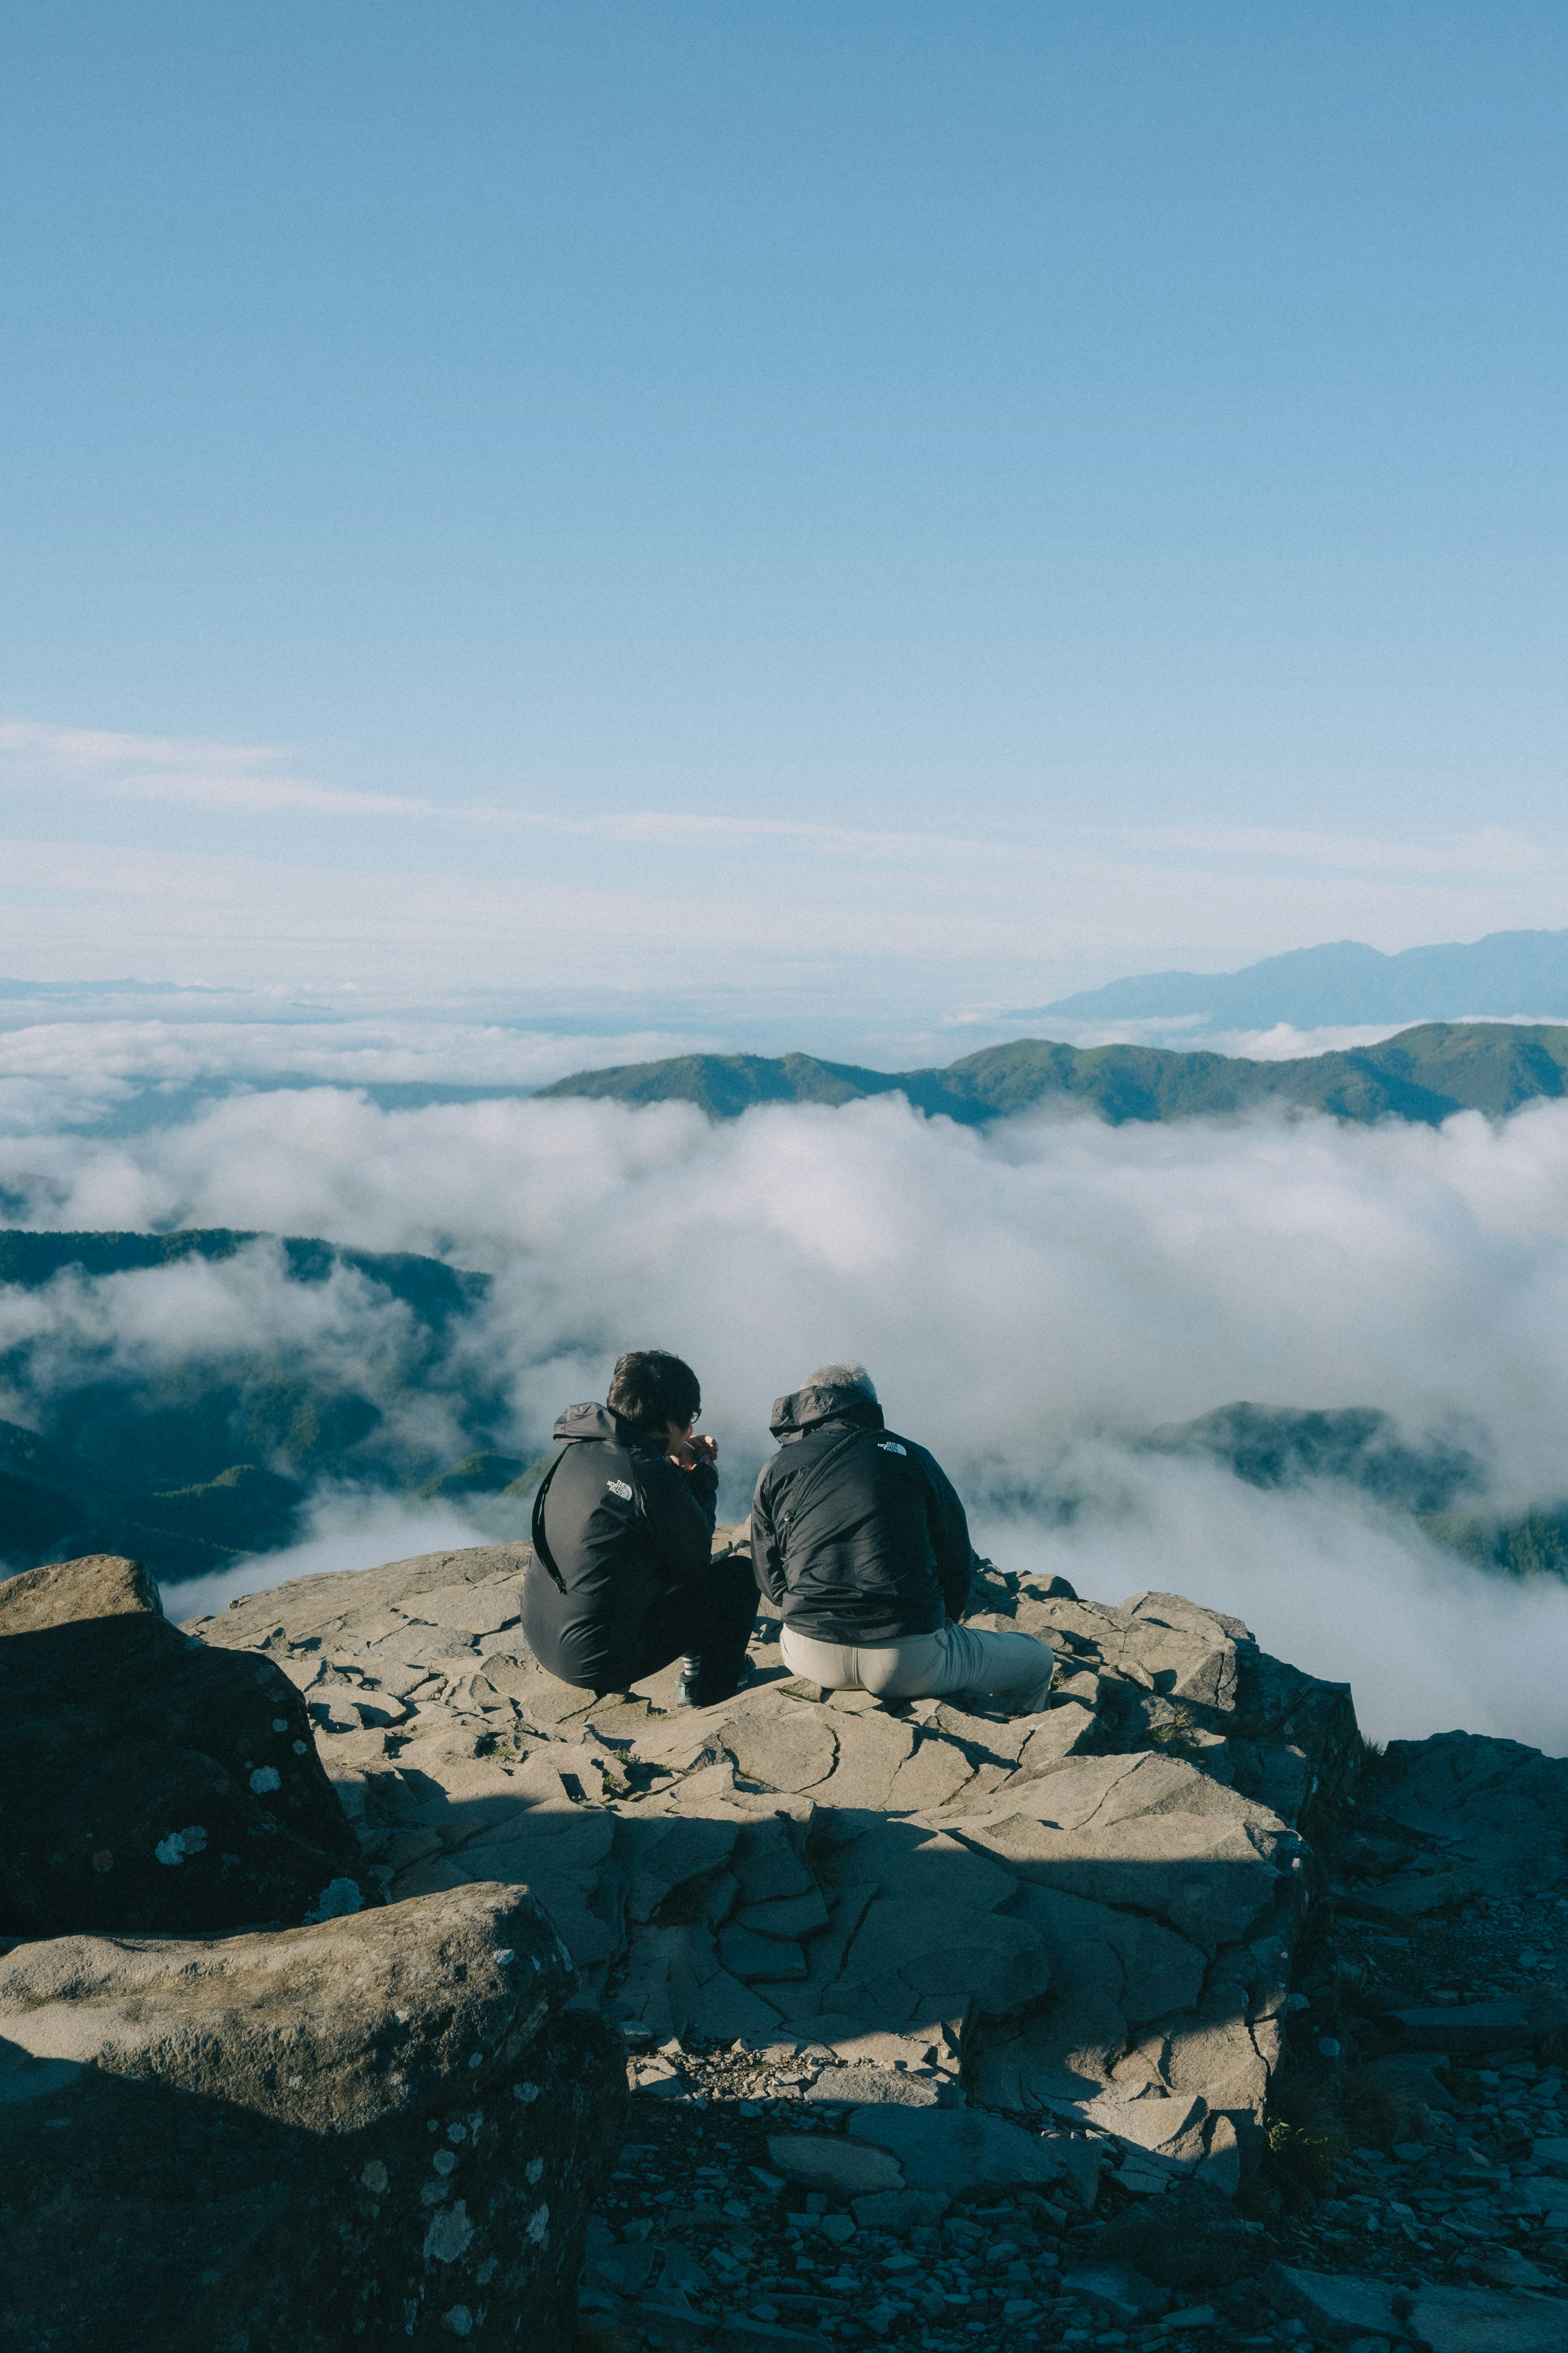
(794, 522)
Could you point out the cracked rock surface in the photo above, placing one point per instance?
(951, 2031)
(1088, 1914)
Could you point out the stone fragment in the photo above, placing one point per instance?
(680, 2277)
(825, 1956)
(1410, 1895)
(853, 2041)
(856, 2086)
(758, 1959)
(786, 1915)
(956, 2149)
(845, 2168)
(1479, 2320)
(1143, 1833)
(932, 1777)
(1336, 2306)
(1114, 1972)
(767, 1868)
(624, 2269)
(675, 1986)
(1126, 2295)
(1192, 2240)
(100, 1585)
(334, 1601)
(872, 1747)
(664, 1854)
(899, 2211)
(908, 1861)
(791, 1749)
(910, 1954)
(1466, 2030)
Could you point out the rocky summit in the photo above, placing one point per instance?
(1087, 1918)
(1175, 2015)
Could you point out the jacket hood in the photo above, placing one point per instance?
(803, 1409)
(593, 1420)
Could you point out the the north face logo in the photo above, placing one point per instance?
(619, 1487)
(890, 1446)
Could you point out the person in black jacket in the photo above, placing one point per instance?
(622, 1580)
(860, 1543)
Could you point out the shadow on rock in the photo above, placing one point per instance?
(154, 1785)
(376, 2131)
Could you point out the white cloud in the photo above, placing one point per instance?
(1491, 851)
(1029, 1298)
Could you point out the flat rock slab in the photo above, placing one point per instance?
(1465, 2030)
(847, 2168)
(1126, 2295)
(958, 2150)
(1336, 2306)
(887, 2087)
(100, 1585)
(465, 1609)
(1481, 2320)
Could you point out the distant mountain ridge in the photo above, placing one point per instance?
(1346, 984)
(1426, 1074)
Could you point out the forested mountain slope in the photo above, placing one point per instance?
(1426, 1074)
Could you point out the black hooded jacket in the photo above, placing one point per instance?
(623, 1525)
(857, 1535)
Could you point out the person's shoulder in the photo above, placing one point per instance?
(893, 1441)
(910, 1451)
(768, 1476)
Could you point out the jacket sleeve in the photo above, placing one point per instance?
(680, 1507)
(949, 1531)
(767, 1561)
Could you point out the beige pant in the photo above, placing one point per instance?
(922, 1666)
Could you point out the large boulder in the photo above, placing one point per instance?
(153, 1785)
(1497, 1812)
(384, 2129)
(101, 1585)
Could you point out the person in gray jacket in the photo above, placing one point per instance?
(859, 1541)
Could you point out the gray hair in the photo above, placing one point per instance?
(852, 1378)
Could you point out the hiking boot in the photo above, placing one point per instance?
(686, 1689)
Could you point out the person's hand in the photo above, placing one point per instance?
(694, 1451)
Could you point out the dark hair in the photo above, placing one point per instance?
(649, 1388)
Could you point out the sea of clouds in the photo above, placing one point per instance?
(1031, 1298)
